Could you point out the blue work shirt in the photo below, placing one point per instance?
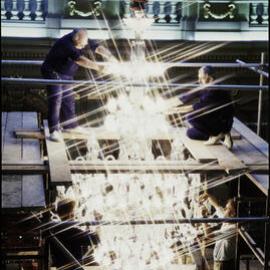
(216, 99)
(63, 55)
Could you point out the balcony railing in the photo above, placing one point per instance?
(24, 10)
(170, 12)
(161, 11)
(258, 14)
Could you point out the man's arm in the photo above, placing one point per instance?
(87, 63)
(101, 50)
(212, 200)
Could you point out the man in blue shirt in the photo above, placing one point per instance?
(61, 63)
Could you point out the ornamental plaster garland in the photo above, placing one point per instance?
(94, 12)
(208, 13)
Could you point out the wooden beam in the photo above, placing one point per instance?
(11, 191)
(30, 146)
(255, 143)
(24, 169)
(11, 152)
(226, 159)
(3, 124)
(100, 133)
(58, 161)
(141, 166)
(257, 251)
(260, 144)
(12, 148)
(33, 194)
(260, 180)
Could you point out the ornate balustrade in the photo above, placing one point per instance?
(161, 11)
(258, 14)
(24, 10)
(176, 19)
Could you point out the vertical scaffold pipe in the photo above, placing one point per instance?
(267, 234)
(260, 100)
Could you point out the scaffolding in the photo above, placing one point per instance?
(54, 176)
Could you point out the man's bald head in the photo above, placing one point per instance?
(80, 38)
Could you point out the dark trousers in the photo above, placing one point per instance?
(204, 127)
(61, 103)
(224, 265)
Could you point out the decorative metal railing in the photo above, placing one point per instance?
(170, 12)
(24, 10)
(258, 14)
(162, 11)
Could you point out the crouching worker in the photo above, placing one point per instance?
(68, 243)
(212, 116)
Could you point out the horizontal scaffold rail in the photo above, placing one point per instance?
(127, 83)
(261, 72)
(171, 221)
(103, 166)
(166, 65)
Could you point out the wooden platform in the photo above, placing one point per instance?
(20, 191)
(58, 161)
(249, 156)
(252, 148)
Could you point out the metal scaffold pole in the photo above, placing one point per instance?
(267, 234)
(259, 120)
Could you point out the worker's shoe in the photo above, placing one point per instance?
(214, 139)
(228, 142)
(56, 136)
(77, 129)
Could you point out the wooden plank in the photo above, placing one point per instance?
(33, 194)
(100, 134)
(10, 168)
(11, 191)
(197, 149)
(235, 134)
(3, 123)
(261, 181)
(251, 136)
(30, 147)
(257, 251)
(246, 152)
(226, 158)
(12, 149)
(58, 161)
(33, 191)
(84, 167)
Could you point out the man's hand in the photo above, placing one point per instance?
(112, 59)
(103, 69)
(203, 197)
(101, 50)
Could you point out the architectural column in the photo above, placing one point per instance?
(190, 15)
(53, 20)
